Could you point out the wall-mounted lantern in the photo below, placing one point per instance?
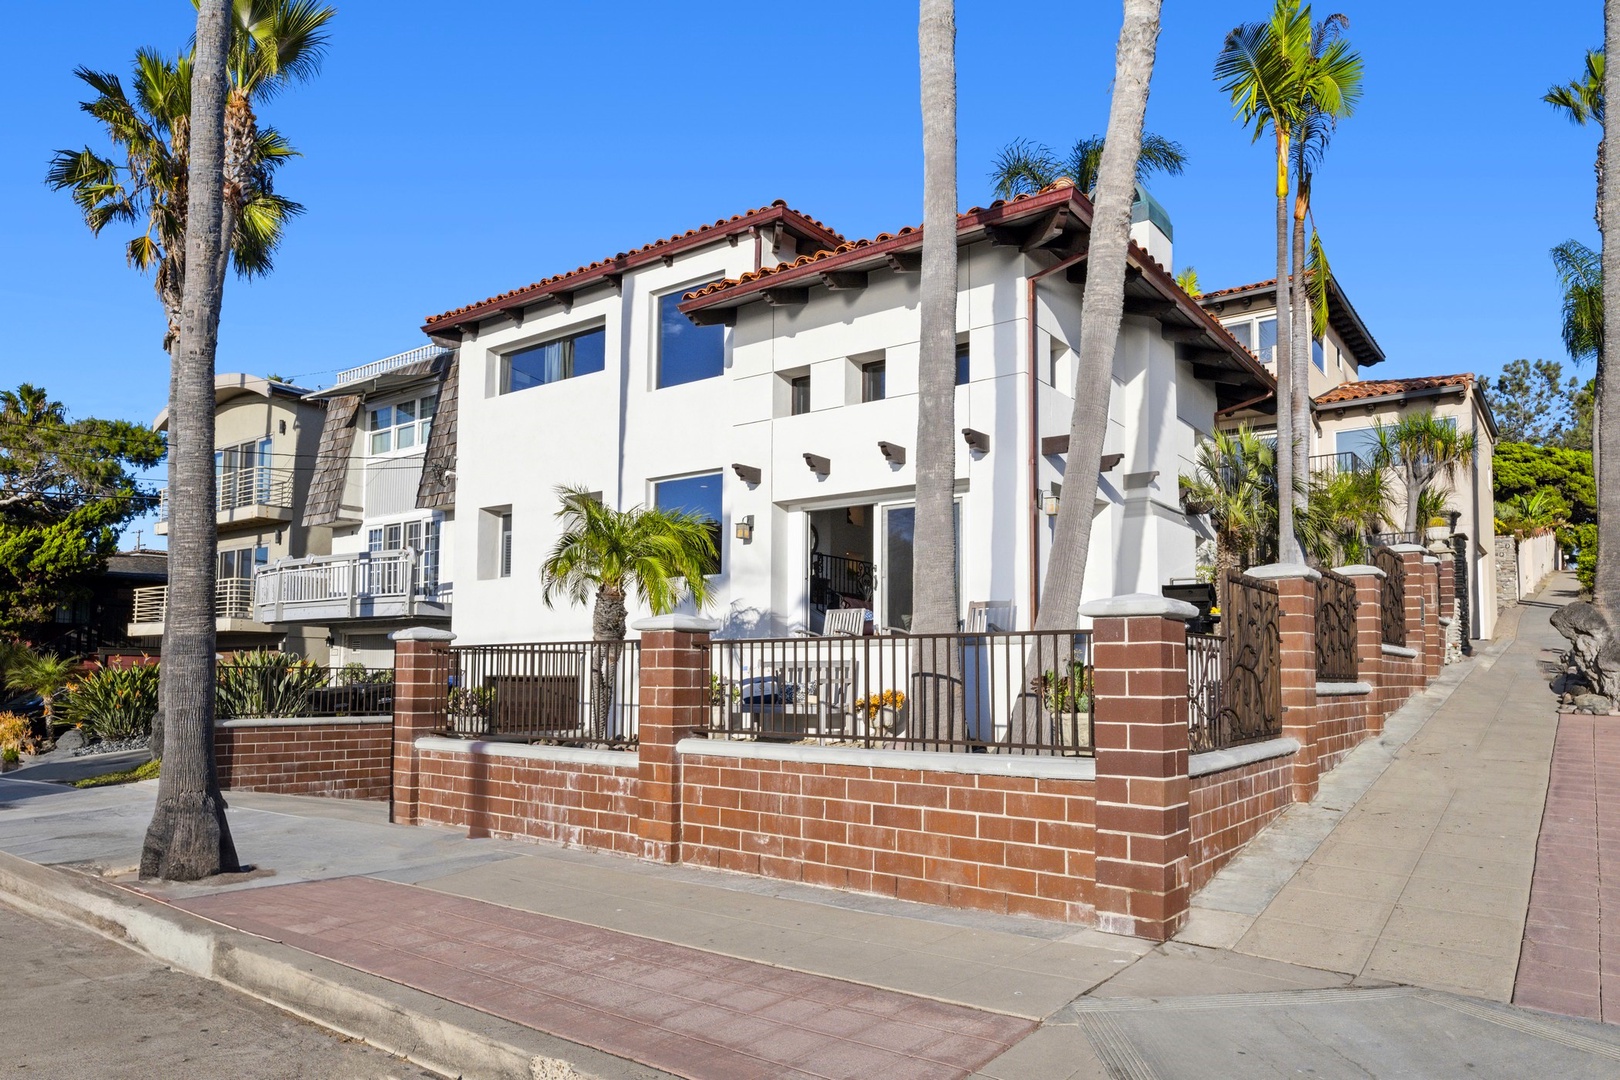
(1051, 501)
(745, 529)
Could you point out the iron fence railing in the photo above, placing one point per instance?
(277, 685)
(1336, 659)
(572, 692)
(835, 577)
(1393, 597)
(1347, 461)
(1385, 539)
(1022, 692)
(1234, 682)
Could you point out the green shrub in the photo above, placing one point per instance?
(1583, 539)
(114, 703)
(264, 683)
(145, 771)
(10, 756)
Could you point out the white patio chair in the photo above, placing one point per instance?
(844, 622)
(989, 616)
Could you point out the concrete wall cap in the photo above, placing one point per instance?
(1409, 549)
(688, 624)
(1238, 756)
(576, 755)
(422, 633)
(1359, 570)
(1038, 766)
(303, 721)
(1282, 570)
(1135, 605)
(1342, 689)
(1400, 650)
(1431, 559)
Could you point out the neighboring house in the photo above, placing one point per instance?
(264, 433)
(763, 372)
(381, 489)
(97, 624)
(1346, 417)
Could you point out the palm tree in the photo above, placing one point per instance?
(45, 674)
(934, 597)
(1256, 70)
(1104, 304)
(1580, 278)
(605, 557)
(1188, 280)
(1606, 436)
(1024, 167)
(189, 837)
(1532, 512)
(1421, 448)
(1583, 101)
(1234, 483)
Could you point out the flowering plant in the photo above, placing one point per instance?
(889, 699)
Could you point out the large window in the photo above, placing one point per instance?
(1363, 442)
(242, 473)
(241, 562)
(422, 536)
(698, 495)
(874, 381)
(403, 425)
(687, 352)
(577, 354)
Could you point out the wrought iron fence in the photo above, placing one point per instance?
(1384, 539)
(1393, 596)
(1020, 692)
(1336, 659)
(281, 686)
(833, 577)
(1234, 682)
(1346, 461)
(573, 692)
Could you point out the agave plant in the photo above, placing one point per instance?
(265, 683)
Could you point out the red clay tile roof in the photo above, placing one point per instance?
(779, 210)
(1376, 388)
(1269, 283)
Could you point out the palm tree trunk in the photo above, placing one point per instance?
(1606, 417)
(1103, 307)
(608, 618)
(1287, 544)
(1300, 324)
(189, 837)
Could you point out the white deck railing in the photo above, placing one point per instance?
(289, 584)
(233, 599)
(390, 363)
(243, 488)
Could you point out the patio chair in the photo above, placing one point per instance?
(989, 616)
(844, 622)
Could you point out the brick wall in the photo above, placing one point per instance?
(334, 758)
(575, 798)
(1342, 722)
(1229, 808)
(1022, 845)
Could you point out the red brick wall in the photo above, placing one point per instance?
(1343, 721)
(1402, 677)
(1229, 808)
(1018, 845)
(344, 761)
(569, 802)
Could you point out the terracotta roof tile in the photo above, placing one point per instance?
(1269, 283)
(625, 256)
(1375, 388)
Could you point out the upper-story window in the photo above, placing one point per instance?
(799, 395)
(962, 365)
(242, 473)
(1318, 357)
(420, 536)
(698, 495)
(874, 380)
(577, 354)
(402, 425)
(1258, 335)
(687, 352)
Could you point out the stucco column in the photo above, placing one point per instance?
(1296, 592)
(421, 692)
(674, 700)
(1140, 652)
(1370, 637)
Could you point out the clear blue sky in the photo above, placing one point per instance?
(454, 151)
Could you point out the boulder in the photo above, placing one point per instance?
(1594, 648)
(1596, 704)
(70, 740)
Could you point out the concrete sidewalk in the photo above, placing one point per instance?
(494, 958)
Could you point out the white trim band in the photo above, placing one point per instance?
(624, 759)
(1221, 760)
(1040, 767)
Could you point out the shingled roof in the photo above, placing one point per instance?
(437, 487)
(325, 500)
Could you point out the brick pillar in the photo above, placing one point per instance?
(1296, 588)
(421, 686)
(674, 700)
(1434, 641)
(1370, 638)
(1447, 572)
(1412, 557)
(1140, 652)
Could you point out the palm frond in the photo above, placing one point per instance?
(1158, 155)
(1582, 99)
(1580, 278)
(1023, 168)
(1318, 275)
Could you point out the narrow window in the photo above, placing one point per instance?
(1268, 341)
(687, 352)
(1317, 356)
(799, 403)
(873, 380)
(1244, 332)
(962, 366)
(506, 544)
(382, 429)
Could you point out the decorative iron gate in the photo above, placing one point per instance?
(1243, 702)
(1336, 628)
(1393, 616)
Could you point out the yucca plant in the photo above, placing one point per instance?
(114, 703)
(265, 683)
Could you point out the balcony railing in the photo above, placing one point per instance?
(365, 584)
(243, 488)
(1347, 461)
(233, 599)
(390, 363)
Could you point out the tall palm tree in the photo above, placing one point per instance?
(1583, 100)
(1606, 436)
(1330, 75)
(1234, 483)
(1024, 167)
(189, 837)
(934, 600)
(45, 674)
(1256, 70)
(1104, 303)
(606, 557)
(1421, 449)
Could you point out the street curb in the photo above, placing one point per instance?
(440, 1035)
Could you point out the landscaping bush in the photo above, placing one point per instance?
(16, 733)
(114, 703)
(264, 683)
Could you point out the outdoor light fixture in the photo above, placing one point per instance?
(1052, 500)
(745, 529)
(893, 454)
(976, 440)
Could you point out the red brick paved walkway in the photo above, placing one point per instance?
(682, 1010)
(1570, 962)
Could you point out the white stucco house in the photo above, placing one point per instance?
(762, 371)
